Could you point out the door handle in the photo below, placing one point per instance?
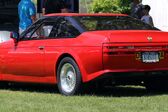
(41, 47)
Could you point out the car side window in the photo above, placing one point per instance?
(64, 29)
(44, 30)
(30, 31)
(51, 28)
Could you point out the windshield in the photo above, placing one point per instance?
(92, 23)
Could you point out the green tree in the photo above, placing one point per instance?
(125, 6)
(110, 6)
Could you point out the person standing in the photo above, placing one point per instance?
(54, 6)
(147, 18)
(27, 14)
(136, 9)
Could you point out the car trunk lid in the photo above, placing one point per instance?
(139, 36)
(136, 51)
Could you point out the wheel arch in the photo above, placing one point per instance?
(78, 62)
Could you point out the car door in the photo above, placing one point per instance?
(26, 57)
(58, 41)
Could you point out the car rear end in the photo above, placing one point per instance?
(136, 57)
(136, 51)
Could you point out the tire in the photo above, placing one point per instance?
(69, 77)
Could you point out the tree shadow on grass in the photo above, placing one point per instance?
(119, 91)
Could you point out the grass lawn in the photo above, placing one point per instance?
(47, 99)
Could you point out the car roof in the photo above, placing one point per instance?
(84, 14)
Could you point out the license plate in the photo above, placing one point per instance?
(150, 57)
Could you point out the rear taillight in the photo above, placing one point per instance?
(111, 49)
(115, 49)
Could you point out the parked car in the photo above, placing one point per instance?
(73, 49)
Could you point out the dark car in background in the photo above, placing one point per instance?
(9, 15)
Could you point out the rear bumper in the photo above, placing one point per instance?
(132, 74)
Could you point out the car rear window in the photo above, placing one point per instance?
(92, 23)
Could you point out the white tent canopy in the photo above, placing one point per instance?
(159, 12)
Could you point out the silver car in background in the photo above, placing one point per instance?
(4, 36)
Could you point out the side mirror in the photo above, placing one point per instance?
(14, 36)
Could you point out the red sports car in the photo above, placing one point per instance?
(72, 49)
